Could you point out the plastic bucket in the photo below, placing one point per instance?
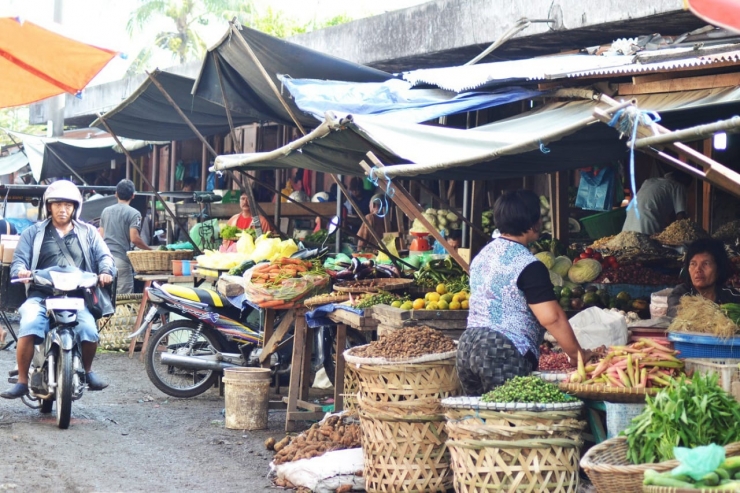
(247, 392)
(619, 417)
(177, 267)
(188, 266)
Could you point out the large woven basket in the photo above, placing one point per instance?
(351, 387)
(145, 261)
(114, 329)
(404, 446)
(516, 451)
(610, 472)
(431, 376)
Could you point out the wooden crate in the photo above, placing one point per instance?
(354, 320)
(451, 322)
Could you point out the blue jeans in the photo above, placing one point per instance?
(35, 322)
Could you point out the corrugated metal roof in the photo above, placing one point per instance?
(467, 78)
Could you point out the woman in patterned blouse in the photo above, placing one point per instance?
(512, 302)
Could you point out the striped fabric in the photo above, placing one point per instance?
(206, 296)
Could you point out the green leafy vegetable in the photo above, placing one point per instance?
(687, 413)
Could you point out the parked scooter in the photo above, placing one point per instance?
(186, 355)
(56, 374)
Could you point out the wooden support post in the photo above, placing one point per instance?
(267, 334)
(561, 207)
(173, 165)
(203, 166)
(477, 237)
(341, 344)
(411, 207)
(707, 195)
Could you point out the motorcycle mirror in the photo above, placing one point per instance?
(332, 226)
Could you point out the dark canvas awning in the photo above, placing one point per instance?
(147, 115)
(246, 89)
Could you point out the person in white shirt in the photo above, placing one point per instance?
(660, 202)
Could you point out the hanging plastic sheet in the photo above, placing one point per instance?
(596, 191)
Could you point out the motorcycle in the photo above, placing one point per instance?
(186, 355)
(56, 375)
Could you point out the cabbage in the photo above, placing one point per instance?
(556, 279)
(586, 270)
(546, 258)
(562, 265)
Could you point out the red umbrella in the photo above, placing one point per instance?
(722, 13)
(36, 63)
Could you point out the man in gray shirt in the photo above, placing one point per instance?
(119, 226)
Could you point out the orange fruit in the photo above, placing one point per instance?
(418, 304)
(455, 305)
(441, 288)
(464, 305)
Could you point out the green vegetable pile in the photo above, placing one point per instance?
(527, 389)
(231, 232)
(437, 271)
(382, 298)
(726, 477)
(687, 413)
(318, 237)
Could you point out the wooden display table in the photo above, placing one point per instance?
(451, 322)
(344, 318)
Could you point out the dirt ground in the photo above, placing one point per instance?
(130, 437)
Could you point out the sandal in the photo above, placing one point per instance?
(3, 343)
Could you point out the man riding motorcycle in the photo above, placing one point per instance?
(38, 248)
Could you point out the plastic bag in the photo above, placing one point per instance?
(595, 327)
(659, 303)
(286, 292)
(698, 462)
(326, 473)
(245, 244)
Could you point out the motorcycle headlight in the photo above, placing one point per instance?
(65, 281)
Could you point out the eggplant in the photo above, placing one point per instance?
(345, 274)
(355, 265)
(393, 269)
(368, 263)
(382, 273)
(364, 273)
(343, 265)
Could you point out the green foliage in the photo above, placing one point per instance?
(17, 119)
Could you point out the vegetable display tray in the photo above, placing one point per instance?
(608, 394)
(373, 285)
(692, 345)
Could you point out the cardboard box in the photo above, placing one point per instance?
(9, 239)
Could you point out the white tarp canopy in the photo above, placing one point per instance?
(12, 163)
(436, 152)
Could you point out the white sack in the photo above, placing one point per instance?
(595, 327)
(326, 473)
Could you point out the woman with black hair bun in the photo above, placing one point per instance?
(706, 270)
(512, 302)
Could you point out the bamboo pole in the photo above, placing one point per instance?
(688, 134)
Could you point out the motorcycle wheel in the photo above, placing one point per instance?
(64, 389)
(354, 338)
(174, 337)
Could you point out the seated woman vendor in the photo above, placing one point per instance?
(707, 268)
(512, 302)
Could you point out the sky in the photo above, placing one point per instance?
(103, 22)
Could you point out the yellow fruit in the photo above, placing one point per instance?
(464, 304)
(432, 305)
(418, 304)
(447, 297)
(443, 305)
(408, 305)
(426, 296)
(396, 304)
(432, 297)
(456, 297)
(441, 288)
(455, 305)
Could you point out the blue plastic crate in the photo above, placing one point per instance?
(704, 346)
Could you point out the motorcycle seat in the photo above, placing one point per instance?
(207, 296)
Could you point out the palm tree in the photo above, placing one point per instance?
(184, 41)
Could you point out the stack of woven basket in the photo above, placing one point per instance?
(513, 447)
(402, 420)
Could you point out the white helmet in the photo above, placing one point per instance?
(299, 196)
(62, 191)
(320, 197)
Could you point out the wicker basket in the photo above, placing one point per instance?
(609, 470)
(145, 261)
(665, 489)
(113, 330)
(518, 451)
(606, 393)
(351, 387)
(404, 446)
(432, 376)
